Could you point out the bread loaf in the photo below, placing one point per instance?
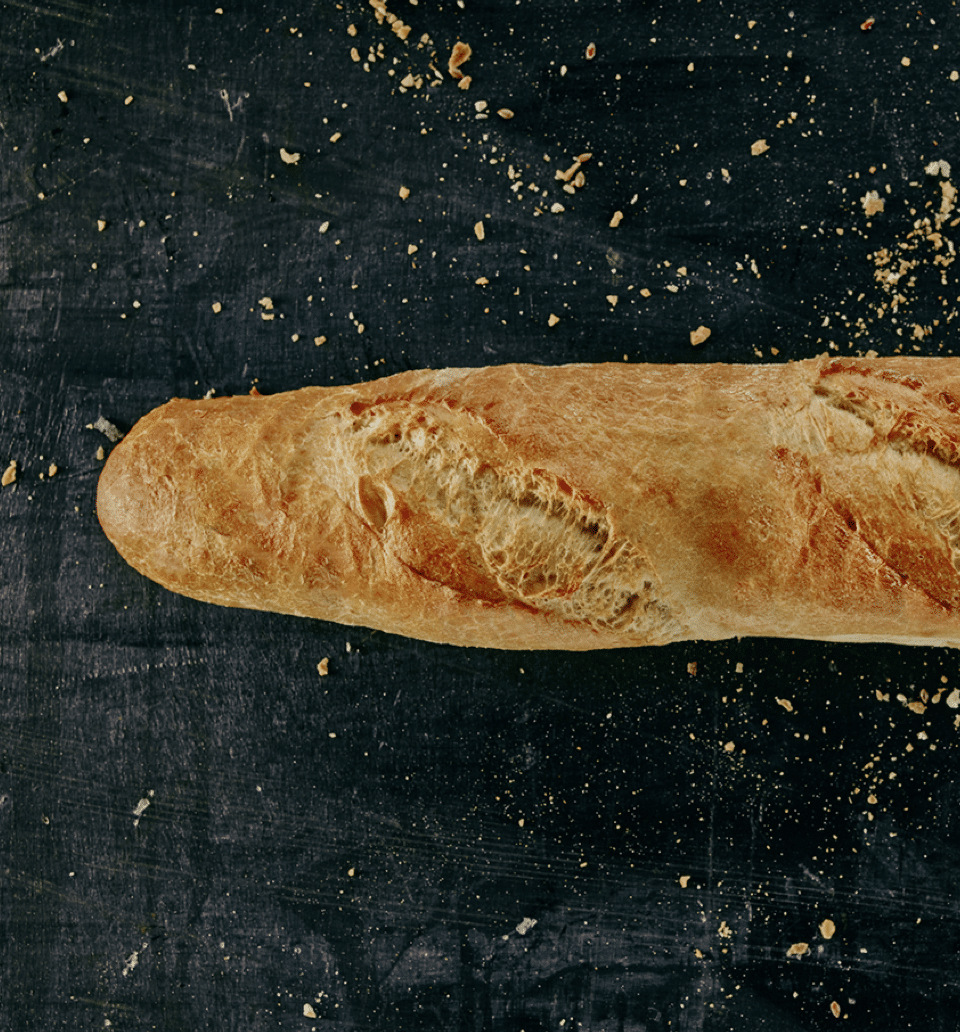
(577, 507)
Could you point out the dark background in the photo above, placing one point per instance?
(197, 831)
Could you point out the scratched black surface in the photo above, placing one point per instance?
(196, 830)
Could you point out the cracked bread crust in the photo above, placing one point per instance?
(574, 507)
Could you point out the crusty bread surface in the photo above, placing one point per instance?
(573, 507)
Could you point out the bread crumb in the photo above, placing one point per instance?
(505, 113)
(323, 666)
(834, 1006)
(101, 225)
(63, 96)
(128, 101)
(616, 220)
(591, 51)
(786, 704)
(480, 106)
(404, 193)
(684, 880)
(319, 340)
(52, 469)
(9, 474)
(351, 29)
(692, 669)
(827, 928)
(953, 699)
(482, 281)
(308, 1011)
(739, 668)
(729, 747)
(464, 83)
(552, 319)
(324, 226)
(412, 248)
(905, 61)
(217, 307)
(759, 146)
(645, 292)
(335, 137)
(479, 230)
(613, 299)
(872, 203)
(798, 949)
(101, 455)
(700, 334)
(266, 303)
(106, 428)
(355, 55)
(460, 55)
(557, 207)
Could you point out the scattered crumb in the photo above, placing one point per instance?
(591, 51)
(905, 61)
(9, 474)
(128, 101)
(798, 949)
(308, 1011)
(460, 55)
(827, 928)
(106, 428)
(505, 113)
(324, 226)
(404, 193)
(834, 1006)
(872, 203)
(692, 669)
(101, 224)
(289, 157)
(464, 83)
(217, 307)
(323, 666)
(700, 334)
(739, 668)
(412, 248)
(479, 230)
(786, 704)
(355, 55)
(759, 146)
(729, 747)
(525, 925)
(725, 931)
(335, 137)
(684, 880)
(645, 292)
(552, 319)
(63, 96)
(101, 455)
(266, 303)
(953, 699)
(868, 24)
(482, 281)
(351, 29)
(52, 470)
(616, 220)
(612, 299)
(319, 340)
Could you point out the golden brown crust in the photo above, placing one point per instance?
(576, 507)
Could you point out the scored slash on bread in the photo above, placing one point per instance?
(573, 507)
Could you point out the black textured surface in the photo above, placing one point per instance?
(196, 830)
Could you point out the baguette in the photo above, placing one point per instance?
(576, 507)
